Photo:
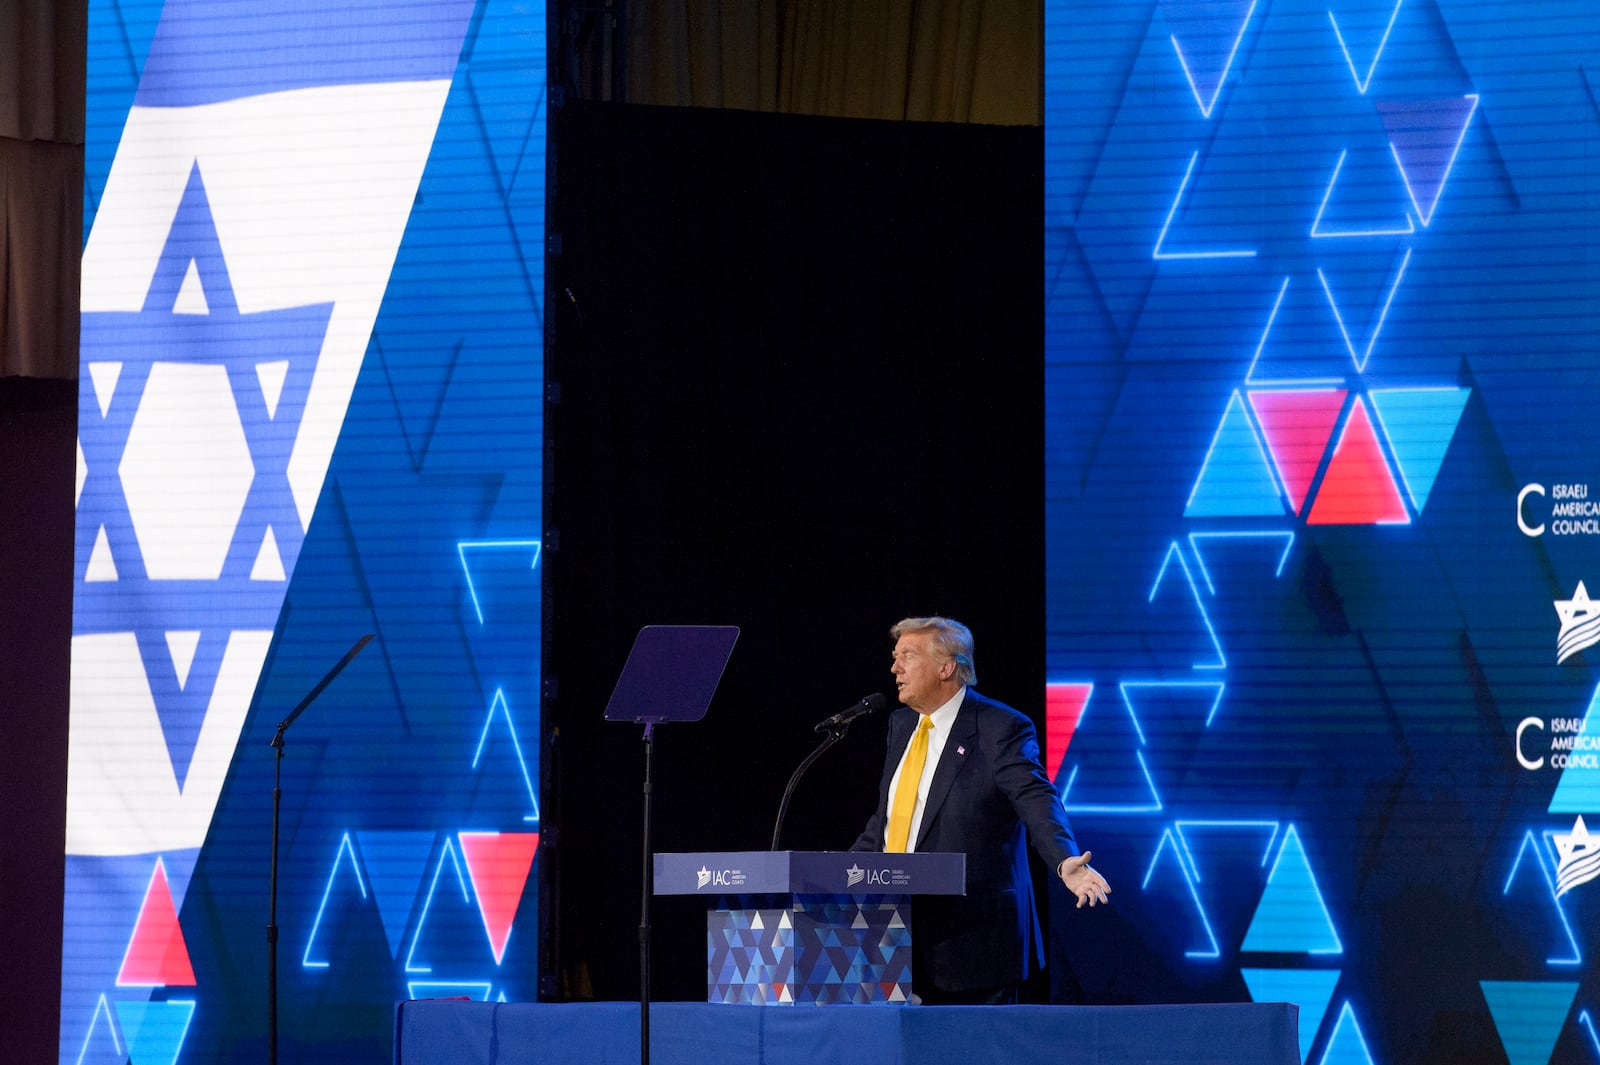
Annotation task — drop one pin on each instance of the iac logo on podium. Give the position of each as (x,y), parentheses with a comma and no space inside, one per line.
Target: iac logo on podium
(707,877)
(879,877)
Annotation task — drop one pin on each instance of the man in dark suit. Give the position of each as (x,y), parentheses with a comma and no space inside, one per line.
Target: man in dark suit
(963,775)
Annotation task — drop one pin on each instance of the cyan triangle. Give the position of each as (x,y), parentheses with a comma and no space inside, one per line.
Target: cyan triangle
(1529,1016)
(154,1031)
(396,862)
(1579,789)
(1236,479)
(1291,916)
(1347,1046)
(1310,989)
(1420,423)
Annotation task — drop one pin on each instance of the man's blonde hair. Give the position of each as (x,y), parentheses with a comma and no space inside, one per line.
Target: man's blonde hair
(950,638)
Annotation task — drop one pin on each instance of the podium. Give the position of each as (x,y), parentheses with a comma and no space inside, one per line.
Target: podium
(809,927)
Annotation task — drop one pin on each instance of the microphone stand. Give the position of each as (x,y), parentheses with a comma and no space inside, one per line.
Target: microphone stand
(835,733)
(277,799)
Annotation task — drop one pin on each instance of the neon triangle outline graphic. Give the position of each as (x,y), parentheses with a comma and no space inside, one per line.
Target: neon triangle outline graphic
(1196,26)
(396,862)
(1347,1046)
(1361,358)
(1362,84)
(1317,229)
(1425,160)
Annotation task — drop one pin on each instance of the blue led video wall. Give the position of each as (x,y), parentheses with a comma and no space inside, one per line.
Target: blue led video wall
(311,410)
(1322,292)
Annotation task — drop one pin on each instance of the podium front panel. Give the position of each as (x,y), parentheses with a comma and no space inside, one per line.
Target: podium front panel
(809,927)
(809,949)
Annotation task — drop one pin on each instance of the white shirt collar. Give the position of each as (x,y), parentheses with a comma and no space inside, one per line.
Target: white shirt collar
(945,716)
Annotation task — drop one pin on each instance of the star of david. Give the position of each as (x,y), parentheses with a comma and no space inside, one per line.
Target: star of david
(261,365)
(1578,608)
(1574,844)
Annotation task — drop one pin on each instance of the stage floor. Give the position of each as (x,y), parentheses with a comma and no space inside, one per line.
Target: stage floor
(435,1032)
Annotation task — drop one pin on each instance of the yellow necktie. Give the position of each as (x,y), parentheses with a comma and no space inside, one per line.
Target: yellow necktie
(905,795)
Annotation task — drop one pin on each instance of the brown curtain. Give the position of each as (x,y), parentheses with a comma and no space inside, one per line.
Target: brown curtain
(923,60)
(43,48)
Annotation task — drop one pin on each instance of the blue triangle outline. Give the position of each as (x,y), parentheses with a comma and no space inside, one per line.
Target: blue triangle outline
(346,847)
(1200,607)
(396,861)
(1190,21)
(1363,84)
(1347,1046)
(499,702)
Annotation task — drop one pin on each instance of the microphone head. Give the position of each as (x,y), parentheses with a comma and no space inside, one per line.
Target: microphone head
(874,702)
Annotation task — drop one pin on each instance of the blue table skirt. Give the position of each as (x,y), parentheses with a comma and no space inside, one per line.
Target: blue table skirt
(698,1033)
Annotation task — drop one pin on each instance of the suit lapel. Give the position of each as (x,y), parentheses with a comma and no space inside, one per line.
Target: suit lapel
(962,739)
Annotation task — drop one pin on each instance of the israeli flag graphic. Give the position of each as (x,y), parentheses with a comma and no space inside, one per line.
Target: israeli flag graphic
(238,254)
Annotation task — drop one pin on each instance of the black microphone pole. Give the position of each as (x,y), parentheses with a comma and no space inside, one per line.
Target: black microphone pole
(835,727)
(277,799)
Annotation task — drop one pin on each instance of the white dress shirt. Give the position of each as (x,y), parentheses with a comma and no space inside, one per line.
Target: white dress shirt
(943,719)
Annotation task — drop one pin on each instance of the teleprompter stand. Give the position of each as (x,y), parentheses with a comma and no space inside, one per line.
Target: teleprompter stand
(277,800)
(670,675)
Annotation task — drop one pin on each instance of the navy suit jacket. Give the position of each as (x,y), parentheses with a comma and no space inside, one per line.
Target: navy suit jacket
(987,790)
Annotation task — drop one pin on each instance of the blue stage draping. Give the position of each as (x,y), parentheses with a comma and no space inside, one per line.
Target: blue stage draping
(697,1033)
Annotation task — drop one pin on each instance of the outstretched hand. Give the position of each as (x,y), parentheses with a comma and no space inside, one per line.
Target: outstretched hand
(1083,881)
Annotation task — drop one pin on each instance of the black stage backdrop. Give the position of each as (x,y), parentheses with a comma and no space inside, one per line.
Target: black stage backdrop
(796,383)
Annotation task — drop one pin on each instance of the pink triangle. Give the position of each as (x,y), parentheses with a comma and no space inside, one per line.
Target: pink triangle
(1063,709)
(498,863)
(157,955)
(1358,488)
(1297,426)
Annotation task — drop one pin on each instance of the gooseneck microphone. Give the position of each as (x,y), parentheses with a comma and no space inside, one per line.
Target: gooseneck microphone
(834,729)
(867,705)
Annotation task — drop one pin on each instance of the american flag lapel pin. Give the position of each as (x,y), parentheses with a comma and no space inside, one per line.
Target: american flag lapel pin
(960,749)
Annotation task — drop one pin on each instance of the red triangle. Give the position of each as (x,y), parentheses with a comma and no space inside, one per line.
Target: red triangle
(1063,707)
(1297,426)
(1358,488)
(157,955)
(498,863)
